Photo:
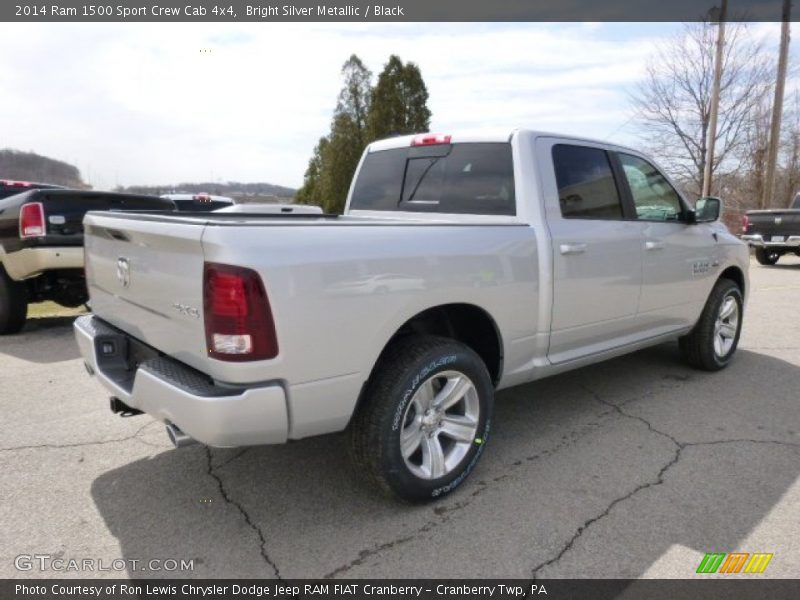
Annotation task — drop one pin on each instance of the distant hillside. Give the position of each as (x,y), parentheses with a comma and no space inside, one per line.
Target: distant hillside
(29,166)
(240,192)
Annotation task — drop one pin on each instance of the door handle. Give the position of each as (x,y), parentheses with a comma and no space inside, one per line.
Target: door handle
(650,245)
(572,248)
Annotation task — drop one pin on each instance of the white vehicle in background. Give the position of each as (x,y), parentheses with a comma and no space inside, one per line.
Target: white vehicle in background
(265,208)
(198,202)
(507,258)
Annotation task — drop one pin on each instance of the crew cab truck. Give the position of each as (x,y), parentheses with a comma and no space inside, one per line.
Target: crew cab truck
(41,238)
(503,258)
(773,232)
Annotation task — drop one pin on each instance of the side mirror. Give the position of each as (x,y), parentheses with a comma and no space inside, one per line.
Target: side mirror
(707,210)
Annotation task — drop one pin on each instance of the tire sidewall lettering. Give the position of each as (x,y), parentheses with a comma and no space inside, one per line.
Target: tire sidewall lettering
(421,376)
(466,472)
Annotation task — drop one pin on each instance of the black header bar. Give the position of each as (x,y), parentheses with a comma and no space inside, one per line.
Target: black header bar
(384,10)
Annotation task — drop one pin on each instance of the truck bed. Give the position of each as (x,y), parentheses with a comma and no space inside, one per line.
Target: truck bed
(321,273)
(64,211)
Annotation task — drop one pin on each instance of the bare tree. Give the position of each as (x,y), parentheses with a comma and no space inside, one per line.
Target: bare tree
(789,170)
(672,103)
(754,158)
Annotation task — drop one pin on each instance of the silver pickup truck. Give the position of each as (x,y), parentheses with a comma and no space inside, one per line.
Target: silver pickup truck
(463,264)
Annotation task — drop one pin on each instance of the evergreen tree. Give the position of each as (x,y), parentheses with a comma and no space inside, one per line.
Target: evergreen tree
(335,159)
(399,101)
(355,97)
(309,192)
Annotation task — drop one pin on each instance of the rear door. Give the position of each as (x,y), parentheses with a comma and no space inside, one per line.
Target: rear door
(597,261)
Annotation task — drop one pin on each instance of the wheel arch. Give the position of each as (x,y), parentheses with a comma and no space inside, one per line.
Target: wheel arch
(735,274)
(467,323)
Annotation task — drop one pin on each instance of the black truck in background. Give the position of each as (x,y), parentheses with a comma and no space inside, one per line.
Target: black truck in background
(41,244)
(774,232)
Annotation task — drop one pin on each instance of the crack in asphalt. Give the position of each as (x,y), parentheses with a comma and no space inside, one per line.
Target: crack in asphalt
(236,456)
(238,506)
(443,512)
(81,444)
(679,448)
(618,409)
(589,522)
(366,553)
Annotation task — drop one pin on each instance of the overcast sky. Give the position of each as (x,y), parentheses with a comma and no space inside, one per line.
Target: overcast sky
(141,104)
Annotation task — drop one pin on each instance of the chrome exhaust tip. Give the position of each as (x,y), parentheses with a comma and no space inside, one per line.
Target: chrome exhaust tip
(177,437)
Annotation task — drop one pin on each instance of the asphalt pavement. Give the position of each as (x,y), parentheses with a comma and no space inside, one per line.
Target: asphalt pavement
(636,467)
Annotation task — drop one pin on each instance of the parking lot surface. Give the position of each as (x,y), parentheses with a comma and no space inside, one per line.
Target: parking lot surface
(634,467)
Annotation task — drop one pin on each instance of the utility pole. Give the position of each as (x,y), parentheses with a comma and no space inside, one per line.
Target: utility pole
(711,136)
(777,108)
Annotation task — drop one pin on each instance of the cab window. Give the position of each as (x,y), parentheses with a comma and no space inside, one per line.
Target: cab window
(653,196)
(466,178)
(586,185)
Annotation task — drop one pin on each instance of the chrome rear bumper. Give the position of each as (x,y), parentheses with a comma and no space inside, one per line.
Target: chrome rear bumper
(211,413)
(757,240)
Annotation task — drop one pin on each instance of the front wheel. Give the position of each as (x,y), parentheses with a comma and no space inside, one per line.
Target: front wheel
(424,419)
(765,256)
(712,343)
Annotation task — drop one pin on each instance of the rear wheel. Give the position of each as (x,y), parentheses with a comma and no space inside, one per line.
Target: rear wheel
(424,419)
(712,343)
(13,304)
(765,256)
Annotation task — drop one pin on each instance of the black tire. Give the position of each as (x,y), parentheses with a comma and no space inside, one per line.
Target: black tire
(13,304)
(375,431)
(698,347)
(765,256)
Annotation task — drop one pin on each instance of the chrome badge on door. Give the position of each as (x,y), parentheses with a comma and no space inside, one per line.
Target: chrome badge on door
(123,271)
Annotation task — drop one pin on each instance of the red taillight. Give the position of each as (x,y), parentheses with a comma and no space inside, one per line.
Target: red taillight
(239,324)
(745,223)
(31,220)
(429,139)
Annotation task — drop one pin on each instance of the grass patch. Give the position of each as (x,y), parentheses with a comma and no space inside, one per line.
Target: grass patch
(51,309)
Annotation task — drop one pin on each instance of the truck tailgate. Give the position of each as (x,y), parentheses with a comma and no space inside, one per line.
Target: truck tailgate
(146,277)
(774,222)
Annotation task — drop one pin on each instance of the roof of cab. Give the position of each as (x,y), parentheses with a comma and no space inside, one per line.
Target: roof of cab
(497,135)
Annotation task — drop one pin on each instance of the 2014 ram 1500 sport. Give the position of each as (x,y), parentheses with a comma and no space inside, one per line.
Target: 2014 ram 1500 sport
(463,264)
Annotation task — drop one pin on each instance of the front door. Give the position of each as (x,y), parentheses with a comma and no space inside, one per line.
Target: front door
(678,257)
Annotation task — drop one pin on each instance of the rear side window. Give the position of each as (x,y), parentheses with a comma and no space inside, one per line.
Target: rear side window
(459,179)
(586,186)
